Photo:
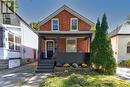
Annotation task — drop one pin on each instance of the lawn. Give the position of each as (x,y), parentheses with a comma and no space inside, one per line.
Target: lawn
(70,79)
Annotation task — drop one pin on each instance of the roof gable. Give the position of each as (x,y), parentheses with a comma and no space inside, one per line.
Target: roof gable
(64,7)
(123,29)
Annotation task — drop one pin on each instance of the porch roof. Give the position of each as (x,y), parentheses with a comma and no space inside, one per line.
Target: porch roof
(65,33)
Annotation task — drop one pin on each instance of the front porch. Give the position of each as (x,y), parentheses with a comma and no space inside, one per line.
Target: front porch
(65,47)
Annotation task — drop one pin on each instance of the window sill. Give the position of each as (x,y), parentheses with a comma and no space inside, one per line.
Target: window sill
(74,30)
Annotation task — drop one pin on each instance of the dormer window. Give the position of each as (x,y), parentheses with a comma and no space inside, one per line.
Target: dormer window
(55,24)
(74,24)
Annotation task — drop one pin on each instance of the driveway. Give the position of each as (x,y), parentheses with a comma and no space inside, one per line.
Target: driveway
(24,76)
(124,73)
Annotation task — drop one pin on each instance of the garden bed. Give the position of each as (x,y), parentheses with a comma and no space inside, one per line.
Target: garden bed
(70,69)
(124,63)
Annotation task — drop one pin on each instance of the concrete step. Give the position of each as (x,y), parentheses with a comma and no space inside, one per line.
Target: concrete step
(46,64)
(46,61)
(3,61)
(45,67)
(44,70)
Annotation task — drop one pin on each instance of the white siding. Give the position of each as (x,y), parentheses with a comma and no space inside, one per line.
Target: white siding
(1,53)
(29,41)
(122,48)
(114,42)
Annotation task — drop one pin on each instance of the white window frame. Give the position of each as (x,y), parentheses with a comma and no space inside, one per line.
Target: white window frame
(52,24)
(17,44)
(14,42)
(71,24)
(71,38)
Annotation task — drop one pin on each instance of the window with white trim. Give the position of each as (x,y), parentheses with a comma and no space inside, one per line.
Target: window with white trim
(55,24)
(11,41)
(14,42)
(74,24)
(71,45)
(17,43)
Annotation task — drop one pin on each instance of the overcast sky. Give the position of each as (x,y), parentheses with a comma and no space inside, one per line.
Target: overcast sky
(116,10)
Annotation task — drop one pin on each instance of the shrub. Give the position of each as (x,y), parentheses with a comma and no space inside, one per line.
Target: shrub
(124,63)
(75,65)
(84,65)
(77,80)
(59,65)
(66,65)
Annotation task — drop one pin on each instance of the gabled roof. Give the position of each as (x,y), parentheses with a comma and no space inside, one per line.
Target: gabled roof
(64,7)
(123,29)
(115,32)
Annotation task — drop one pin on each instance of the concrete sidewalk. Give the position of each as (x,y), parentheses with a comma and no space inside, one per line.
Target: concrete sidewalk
(124,73)
(24,76)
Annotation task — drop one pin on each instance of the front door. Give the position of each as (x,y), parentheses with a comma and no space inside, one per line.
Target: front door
(49,49)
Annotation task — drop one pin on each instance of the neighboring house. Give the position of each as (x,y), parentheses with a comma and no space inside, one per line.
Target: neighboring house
(120,39)
(64,37)
(18,42)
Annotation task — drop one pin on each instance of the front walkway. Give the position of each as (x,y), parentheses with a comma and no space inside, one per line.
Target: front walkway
(24,76)
(124,73)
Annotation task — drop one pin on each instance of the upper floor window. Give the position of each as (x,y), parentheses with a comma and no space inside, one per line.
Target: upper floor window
(55,24)
(74,24)
(6,19)
(128,47)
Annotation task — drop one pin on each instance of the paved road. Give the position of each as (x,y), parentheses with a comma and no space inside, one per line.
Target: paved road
(21,77)
(124,73)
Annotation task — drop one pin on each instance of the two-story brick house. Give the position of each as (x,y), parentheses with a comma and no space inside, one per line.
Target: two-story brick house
(65,37)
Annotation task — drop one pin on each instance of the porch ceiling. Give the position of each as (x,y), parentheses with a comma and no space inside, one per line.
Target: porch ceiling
(65,33)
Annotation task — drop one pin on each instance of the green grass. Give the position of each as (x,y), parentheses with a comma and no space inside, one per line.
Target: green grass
(71,79)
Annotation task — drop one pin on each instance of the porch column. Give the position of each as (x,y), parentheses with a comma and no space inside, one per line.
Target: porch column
(88,44)
(39,50)
(57,45)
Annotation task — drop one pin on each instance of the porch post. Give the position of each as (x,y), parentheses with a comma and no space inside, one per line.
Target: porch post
(57,45)
(89,43)
(39,50)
